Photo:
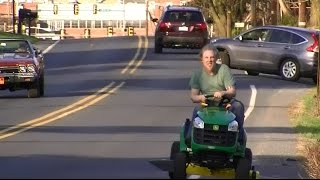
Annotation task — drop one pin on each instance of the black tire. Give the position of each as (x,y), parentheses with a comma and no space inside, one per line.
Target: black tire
(34,91)
(175,148)
(41,84)
(252,73)
(244,165)
(179,166)
(225,59)
(157,48)
(290,70)
(243,169)
(248,155)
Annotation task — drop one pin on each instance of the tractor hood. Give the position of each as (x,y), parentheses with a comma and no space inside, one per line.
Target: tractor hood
(216,115)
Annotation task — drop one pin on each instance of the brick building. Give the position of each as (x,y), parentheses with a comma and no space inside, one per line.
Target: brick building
(134,15)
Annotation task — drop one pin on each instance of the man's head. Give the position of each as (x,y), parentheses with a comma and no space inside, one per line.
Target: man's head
(208,56)
(23,47)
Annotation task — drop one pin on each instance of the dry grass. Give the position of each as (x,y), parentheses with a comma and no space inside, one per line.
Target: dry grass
(308,146)
(312,161)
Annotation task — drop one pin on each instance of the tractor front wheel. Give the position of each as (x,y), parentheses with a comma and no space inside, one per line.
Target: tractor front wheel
(179,166)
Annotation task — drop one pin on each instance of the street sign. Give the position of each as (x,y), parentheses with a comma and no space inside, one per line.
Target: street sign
(239,24)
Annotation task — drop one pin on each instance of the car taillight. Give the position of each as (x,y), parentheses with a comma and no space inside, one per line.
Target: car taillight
(201,26)
(314,47)
(164,26)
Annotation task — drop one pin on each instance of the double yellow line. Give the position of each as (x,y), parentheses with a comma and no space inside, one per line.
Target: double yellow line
(135,62)
(81,104)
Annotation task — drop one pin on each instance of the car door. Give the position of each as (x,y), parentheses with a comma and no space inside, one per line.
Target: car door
(278,46)
(249,49)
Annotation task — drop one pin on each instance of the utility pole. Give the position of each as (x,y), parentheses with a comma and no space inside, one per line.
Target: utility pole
(318,81)
(274,16)
(253,13)
(147,19)
(13,16)
(228,23)
(302,13)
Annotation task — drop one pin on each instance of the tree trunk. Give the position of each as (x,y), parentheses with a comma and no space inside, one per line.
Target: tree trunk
(219,23)
(284,8)
(315,14)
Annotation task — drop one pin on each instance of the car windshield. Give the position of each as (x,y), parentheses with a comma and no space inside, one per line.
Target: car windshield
(14,49)
(183,16)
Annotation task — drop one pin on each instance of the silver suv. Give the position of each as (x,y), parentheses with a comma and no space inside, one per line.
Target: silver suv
(290,52)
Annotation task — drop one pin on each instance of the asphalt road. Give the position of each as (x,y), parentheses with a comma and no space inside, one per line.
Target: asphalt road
(101,118)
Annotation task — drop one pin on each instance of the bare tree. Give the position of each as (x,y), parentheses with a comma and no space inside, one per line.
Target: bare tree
(284,8)
(315,14)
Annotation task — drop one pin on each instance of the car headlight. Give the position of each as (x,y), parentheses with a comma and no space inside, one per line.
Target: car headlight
(198,123)
(30,68)
(22,69)
(233,126)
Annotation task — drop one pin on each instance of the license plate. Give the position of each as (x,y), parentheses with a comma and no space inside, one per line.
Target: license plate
(183,28)
(1,80)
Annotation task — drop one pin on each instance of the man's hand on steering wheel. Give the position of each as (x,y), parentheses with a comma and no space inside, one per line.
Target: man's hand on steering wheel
(218,94)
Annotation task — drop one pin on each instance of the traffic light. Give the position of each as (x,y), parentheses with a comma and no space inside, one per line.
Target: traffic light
(130,31)
(95,9)
(110,31)
(76,9)
(55,9)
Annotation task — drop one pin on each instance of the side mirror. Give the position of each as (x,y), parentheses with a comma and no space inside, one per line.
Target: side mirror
(240,38)
(38,52)
(155,20)
(210,21)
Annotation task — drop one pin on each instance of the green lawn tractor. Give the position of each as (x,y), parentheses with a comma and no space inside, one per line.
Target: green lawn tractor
(209,145)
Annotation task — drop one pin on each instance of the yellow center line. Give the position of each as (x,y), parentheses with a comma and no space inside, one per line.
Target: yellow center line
(63,114)
(146,44)
(78,103)
(134,58)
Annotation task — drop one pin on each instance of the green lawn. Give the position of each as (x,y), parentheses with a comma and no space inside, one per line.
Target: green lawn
(306,119)
(307,122)
(11,35)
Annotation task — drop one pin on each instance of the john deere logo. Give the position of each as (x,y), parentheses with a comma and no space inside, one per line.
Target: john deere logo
(215,127)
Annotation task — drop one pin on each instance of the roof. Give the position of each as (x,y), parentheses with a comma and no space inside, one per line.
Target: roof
(291,28)
(175,7)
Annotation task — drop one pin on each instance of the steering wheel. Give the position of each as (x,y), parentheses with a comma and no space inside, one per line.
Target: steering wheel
(214,101)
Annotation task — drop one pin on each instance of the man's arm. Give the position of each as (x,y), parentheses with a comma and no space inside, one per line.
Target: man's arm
(196,97)
(230,92)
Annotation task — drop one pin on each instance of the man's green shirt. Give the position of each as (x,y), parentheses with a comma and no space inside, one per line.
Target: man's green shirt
(208,84)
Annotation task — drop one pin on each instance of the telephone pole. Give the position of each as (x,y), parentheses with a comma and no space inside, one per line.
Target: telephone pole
(13,16)
(274,8)
(253,13)
(302,13)
(147,19)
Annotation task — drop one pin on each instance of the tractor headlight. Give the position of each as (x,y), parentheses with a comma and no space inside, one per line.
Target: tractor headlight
(233,126)
(31,68)
(198,123)
(22,69)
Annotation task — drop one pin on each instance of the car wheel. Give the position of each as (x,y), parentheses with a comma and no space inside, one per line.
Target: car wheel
(252,73)
(157,48)
(224,56)
(41,84)
(290,70)
(34,91)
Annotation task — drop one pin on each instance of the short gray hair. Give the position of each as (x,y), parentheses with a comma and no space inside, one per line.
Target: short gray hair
(209,47)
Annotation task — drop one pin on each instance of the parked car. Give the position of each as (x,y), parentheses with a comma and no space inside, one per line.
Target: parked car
(290,52)
(181,27)
(21,67)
